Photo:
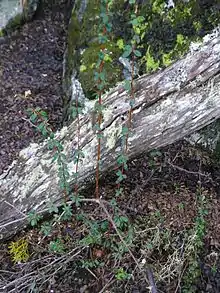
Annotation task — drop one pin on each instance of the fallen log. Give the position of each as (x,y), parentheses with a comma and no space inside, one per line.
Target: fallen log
(169,105)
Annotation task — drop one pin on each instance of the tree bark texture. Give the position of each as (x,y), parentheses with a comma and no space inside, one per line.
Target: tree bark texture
(169,105)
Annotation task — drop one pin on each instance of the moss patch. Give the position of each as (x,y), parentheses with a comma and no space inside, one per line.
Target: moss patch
(13,24)
(88,60)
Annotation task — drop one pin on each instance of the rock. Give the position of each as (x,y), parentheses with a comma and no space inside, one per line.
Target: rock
(14,13)
(8,10)
(29,8)
(82,52)
(208,288)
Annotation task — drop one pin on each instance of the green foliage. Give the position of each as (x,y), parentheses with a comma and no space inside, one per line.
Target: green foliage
(151,64)
(154,155)
(76,199)
(74,111)
(34,218)
(91,264)
(52,208)
(153,27)
(67,212)
(40,118)
(18,250)
(98,71)
(88,59)
(100,234)
(121,222)
(122,275)
(193,269)
(46,228)
(57,246)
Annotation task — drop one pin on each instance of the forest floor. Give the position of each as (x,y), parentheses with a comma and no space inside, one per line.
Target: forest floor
(31,76)
(171,196)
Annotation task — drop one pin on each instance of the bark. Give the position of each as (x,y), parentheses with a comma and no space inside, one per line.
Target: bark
(169,105)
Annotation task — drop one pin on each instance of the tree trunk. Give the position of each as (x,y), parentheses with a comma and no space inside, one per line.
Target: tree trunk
(169,105)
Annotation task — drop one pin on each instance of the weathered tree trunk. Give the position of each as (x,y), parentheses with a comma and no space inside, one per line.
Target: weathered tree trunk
(169,105)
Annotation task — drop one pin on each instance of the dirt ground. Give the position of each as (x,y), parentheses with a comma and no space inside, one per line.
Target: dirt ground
(30,76)
(167,194)
(161,200)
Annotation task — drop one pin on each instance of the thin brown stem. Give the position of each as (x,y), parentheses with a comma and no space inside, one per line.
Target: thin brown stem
(99,119)
(78,148)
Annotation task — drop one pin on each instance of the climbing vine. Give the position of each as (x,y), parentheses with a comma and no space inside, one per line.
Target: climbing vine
(100,79)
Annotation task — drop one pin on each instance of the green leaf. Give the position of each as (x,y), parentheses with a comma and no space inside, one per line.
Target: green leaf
(127,85)
(52,208)
(82,68)
(180,39)
(102,39)
(119,191)
(126,53)
(107,58)
(137,53)
(33,117)
(44,131)
(57,246)
(101,55)
(99,135)
(76,199)
(132,103)
(46,228)
(151,64)
(122,160)
(55,157)
(30,111)
(105,225)
(121,176)
(120,43)
(134,21)
(34,218)
(58,145)
(52,135)
(44,114)
(67,210)
(125,130)
(104,17)
(155,153)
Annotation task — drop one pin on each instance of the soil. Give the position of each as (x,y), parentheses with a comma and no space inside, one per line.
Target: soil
(31,76)
(161,192)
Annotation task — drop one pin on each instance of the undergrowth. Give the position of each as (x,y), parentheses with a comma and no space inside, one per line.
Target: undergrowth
(110,235)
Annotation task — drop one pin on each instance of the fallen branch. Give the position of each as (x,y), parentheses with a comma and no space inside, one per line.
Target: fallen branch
(169,105)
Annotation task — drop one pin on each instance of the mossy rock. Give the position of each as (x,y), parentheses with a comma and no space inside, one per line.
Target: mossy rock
(168,33)
(88,60)
(83,48)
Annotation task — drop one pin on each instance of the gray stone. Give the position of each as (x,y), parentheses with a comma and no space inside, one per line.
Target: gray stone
(14,13)
(8,10)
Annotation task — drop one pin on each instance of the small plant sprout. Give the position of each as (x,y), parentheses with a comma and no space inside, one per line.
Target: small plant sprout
(122,275)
